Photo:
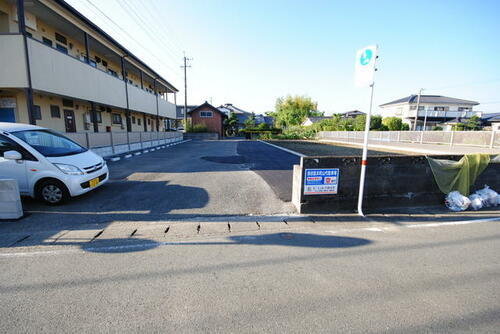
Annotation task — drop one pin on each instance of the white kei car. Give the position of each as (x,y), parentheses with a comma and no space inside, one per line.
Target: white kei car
(47,165)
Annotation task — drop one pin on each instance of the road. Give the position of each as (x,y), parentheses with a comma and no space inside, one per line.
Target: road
(364,277)
(200,238)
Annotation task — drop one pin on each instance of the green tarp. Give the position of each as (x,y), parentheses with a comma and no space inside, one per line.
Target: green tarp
(458,175)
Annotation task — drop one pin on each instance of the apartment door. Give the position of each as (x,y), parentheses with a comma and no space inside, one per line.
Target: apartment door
(69,120)
(7,115)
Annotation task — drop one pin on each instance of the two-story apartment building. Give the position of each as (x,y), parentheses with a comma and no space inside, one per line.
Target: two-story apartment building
(59,70)
(433,109)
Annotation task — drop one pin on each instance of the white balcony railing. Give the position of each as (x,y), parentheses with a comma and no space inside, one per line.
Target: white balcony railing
(13,69)
(141,100)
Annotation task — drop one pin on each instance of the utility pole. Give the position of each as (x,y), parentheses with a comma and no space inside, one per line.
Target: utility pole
(185,66)
(418,105)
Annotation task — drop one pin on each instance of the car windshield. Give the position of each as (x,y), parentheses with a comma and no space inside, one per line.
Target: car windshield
(49,143)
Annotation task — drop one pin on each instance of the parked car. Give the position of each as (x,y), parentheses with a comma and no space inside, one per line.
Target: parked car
(47,165)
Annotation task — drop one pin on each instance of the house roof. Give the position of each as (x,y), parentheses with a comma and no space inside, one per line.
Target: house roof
(430,99)
(229,107)
(205,105)
(318,118)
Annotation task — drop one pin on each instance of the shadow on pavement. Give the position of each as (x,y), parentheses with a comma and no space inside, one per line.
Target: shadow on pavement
(275,239)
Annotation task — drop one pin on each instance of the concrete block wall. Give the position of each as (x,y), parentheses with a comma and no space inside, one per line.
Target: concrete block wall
(391,181)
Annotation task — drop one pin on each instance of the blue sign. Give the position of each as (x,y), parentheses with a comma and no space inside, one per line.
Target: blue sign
(321,181)
(366,57)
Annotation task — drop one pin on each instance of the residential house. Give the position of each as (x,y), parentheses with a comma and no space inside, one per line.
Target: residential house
(61,71)
(209,116)
(241,114)
(434,109)
(312,120)
(259,119)
(352,114)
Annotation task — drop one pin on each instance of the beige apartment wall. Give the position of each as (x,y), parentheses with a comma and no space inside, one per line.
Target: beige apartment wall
(141,100)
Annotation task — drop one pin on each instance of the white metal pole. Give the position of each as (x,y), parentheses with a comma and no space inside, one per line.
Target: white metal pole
(364,156)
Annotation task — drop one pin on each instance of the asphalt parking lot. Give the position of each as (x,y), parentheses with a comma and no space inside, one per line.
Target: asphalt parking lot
(190,180)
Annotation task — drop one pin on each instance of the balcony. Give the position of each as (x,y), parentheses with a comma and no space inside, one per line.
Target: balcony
(55,72)
(13,70)
(167,109)
(445,114)
(141,100)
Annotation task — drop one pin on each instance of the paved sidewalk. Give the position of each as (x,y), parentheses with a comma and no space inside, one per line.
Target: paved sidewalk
(120,233)
(417,147)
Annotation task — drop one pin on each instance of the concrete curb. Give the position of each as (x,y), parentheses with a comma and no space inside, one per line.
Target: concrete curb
(129,155)
(283,149)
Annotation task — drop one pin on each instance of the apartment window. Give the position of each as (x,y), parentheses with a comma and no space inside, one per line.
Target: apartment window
(133,119)
(149,121)
(61,39)
(67,103)
(138,121)
(55,112)
(464,108)
(37,112)
(97,59)
(98,116)
(104,63)
(47,41)
(206,114)
(113,73)
(61,48)
(440,108)
(116,118)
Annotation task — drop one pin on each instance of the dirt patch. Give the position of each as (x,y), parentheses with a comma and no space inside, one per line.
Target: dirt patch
(314,148)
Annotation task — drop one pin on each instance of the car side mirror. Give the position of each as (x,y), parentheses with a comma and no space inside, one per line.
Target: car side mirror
(12,155)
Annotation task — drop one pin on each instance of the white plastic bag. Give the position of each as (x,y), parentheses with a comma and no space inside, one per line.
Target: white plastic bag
(475,201)
(488,196)
(456,201)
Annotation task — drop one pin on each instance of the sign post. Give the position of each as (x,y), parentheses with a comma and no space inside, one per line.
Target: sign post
(366,59)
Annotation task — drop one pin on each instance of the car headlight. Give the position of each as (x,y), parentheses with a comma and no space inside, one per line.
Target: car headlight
(69,169)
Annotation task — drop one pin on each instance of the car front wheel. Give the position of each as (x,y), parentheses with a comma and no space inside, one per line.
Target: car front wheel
(53,192)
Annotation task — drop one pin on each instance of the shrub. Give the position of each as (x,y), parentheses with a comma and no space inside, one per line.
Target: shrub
(197,128)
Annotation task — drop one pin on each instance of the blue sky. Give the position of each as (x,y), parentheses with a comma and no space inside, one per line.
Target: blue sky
(250,52)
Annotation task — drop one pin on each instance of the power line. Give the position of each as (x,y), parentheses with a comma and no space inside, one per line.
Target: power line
(126,33)
(148,30)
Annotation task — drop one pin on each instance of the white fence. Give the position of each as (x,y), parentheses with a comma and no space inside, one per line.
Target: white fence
(111,143)
(489,139)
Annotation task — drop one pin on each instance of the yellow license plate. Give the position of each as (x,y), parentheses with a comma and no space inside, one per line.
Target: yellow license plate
(94,182)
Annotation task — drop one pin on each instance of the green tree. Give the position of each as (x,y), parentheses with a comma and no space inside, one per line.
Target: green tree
(473,123)
(230,125)
(358,124)
(293,110)
(250,122)
(393,123)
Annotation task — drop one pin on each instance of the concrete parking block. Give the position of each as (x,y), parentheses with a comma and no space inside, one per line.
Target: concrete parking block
(41,238)
(9,239)
(182,229)
(79,236)
(207,228)
(238,227)
(272,225)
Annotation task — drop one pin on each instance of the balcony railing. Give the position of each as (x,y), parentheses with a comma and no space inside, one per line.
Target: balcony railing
(111,143)
(13,63)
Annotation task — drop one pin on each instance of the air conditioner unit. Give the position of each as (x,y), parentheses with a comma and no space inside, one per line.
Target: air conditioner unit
(86,121)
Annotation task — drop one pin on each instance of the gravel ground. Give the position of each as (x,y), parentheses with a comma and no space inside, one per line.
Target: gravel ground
(312,148)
